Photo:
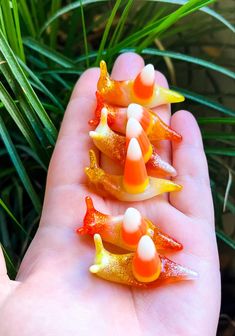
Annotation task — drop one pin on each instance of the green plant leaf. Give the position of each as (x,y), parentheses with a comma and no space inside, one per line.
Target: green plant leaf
(216,120)
(220,151)
(189,59)
(65,10)
(204,101)
(34,155)
(9,25)
(206,10)
(84,34)
(8,211)
(187,8)
(19,166)
(25,106)
(217,135)
(77,4)
(20,121)
(226,239)
(71,71)
(18,30)
(228,188)
(27,17)
(55,5)
(121,23)
(32,98)
(10,265)
(107,29)
(41,85)
(51,54)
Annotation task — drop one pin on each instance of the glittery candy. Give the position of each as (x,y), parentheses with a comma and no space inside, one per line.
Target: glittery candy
(125,230)
(112,185)
(114,146)
(119,268)
(142,90)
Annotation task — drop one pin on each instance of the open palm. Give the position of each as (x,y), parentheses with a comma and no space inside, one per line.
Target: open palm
(56,295)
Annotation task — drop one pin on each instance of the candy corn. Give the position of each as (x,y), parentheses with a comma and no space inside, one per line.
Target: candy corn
(135,178)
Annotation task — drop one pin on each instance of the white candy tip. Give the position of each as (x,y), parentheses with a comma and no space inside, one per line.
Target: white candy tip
(97,236)
(104,111)
(174,172)
(94,268)
(93,134)
(133,151)
(131,220)
(104,114)
(134,111)
(146,249)
(133,128)
(148,75)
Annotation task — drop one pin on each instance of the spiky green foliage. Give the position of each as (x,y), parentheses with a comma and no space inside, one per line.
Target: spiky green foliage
(46,45)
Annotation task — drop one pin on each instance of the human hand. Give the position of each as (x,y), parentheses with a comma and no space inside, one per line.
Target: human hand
(56,295)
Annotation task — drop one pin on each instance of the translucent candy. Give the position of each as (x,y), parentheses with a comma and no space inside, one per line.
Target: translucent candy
(125,230)
(112,185)
(141,90)
(119,268)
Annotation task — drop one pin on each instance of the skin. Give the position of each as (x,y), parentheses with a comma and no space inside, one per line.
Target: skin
(54,293)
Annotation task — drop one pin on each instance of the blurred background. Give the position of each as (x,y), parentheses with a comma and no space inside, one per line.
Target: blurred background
(45,46)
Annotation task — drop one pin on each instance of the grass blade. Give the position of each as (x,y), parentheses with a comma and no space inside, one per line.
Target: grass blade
(228,187)
(11,269)
(120,26)
(49,53)
(220,151)
(187,8)
(20,121)
(55,5)
(204,101)
(29,112)
(21,79)
(9,26)
(19,166)
(8,211)
(206,10)
(41,85)
(77,4)
(107,29)
(84,34)
(189,59)
(216,120)
(226,239)
(27,17)
(17,29)
(218,136)
(65,10)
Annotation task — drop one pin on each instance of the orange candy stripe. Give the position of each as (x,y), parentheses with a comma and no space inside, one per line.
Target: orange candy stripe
(134,130)
(141,90)
(135,177)
(146,120)
(133,173)
(132,238)
(146,261)
(146,269)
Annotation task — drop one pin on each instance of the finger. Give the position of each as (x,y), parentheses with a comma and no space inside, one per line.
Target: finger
(70,155)
(190,162)
(163,111)
(126,66)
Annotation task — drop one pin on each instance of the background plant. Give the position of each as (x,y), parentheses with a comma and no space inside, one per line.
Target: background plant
(46,45)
